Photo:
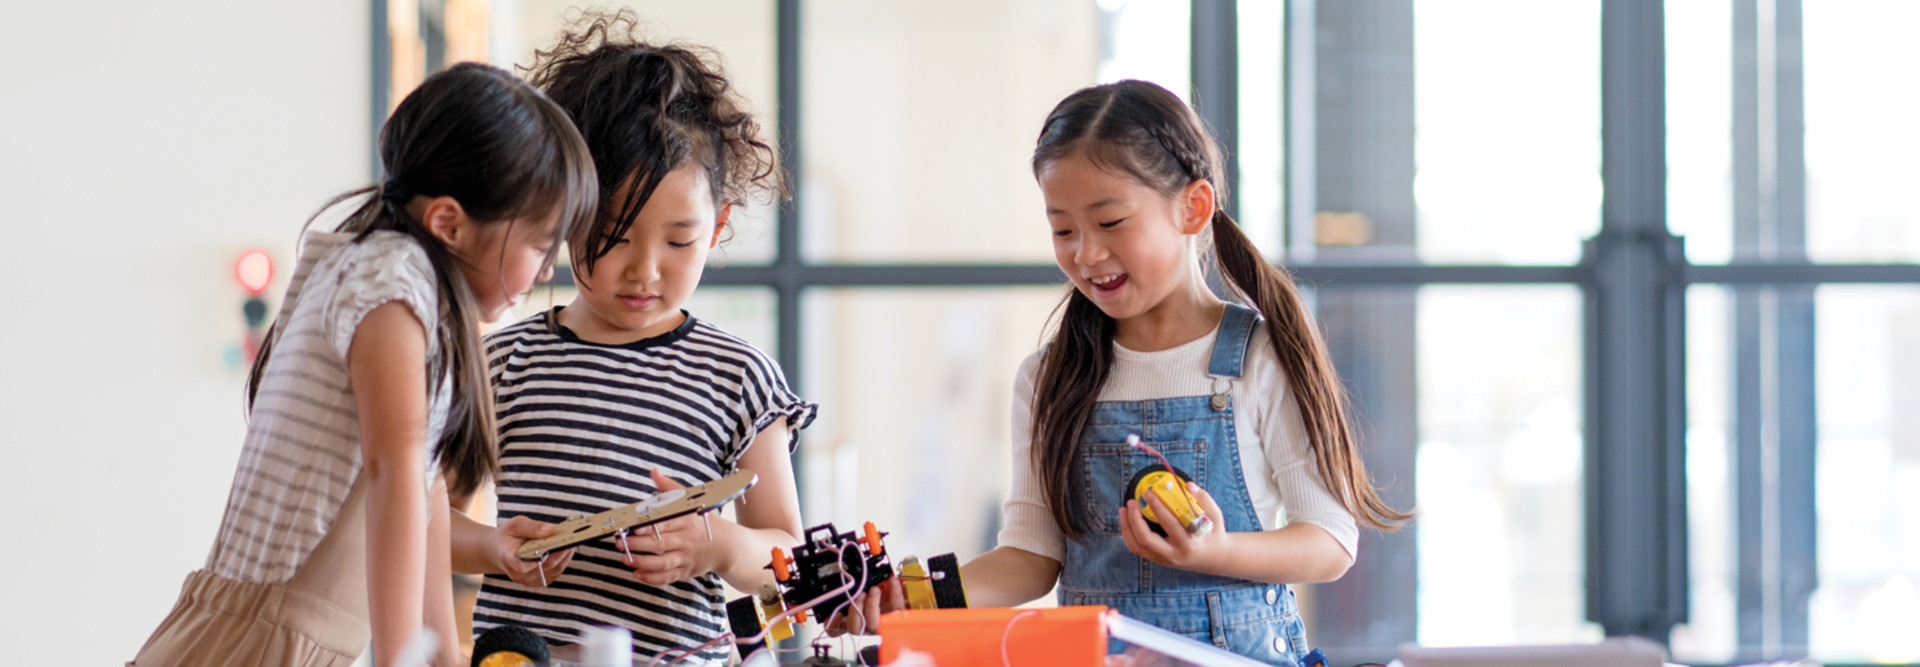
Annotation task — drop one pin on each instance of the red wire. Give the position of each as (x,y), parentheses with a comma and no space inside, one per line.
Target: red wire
(1134,440)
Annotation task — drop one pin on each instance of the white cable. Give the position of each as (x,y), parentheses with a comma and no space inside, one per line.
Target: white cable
(1004,636)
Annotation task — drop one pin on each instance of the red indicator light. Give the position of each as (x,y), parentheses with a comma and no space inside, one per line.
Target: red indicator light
(254,270)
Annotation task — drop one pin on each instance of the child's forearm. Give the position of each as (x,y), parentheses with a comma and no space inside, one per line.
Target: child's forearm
(469,542)
(438,607)
(768,516)
(396,557)
(1007,577)
(747,551)
(384,367)
(1300,553)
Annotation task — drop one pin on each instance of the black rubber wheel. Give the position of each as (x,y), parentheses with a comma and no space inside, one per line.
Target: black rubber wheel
(1133,485)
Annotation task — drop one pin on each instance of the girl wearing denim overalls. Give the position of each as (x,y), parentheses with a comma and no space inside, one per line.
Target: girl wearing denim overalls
(1241,400)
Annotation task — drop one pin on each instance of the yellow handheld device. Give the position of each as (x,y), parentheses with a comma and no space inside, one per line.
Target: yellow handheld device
(1169,484)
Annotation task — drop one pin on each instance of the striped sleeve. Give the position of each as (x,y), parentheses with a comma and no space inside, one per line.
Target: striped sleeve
(767,400)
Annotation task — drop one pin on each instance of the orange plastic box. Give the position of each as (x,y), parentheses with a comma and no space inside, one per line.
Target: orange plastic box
(1055,637)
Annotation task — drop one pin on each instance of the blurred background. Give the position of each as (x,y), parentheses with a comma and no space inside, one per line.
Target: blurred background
(1626,292)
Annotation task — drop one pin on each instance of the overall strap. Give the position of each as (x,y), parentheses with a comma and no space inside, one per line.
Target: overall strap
(1230,347)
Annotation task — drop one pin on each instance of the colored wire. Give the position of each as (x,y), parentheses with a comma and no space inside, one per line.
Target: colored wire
(1008,633)
(768,626)
(849,603)
(689,652)
(1134,440)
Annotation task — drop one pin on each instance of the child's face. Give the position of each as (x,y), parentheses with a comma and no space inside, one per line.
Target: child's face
(636,291)
(508,259)
(1122,244)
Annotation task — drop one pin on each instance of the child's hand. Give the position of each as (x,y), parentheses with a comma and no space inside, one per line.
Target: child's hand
(506,540)
(862,617)
(1178,549)
(675,549)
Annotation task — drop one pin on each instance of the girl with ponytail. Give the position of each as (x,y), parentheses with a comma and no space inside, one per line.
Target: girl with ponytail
(1237,395)
(368,402)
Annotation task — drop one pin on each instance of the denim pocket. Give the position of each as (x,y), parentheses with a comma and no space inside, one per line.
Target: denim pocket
(1280,640)
(1106,469)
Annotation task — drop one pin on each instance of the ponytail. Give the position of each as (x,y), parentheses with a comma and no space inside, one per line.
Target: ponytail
(1073,368)
(466,450)
(505,152)
(1310,373)
(1142,131)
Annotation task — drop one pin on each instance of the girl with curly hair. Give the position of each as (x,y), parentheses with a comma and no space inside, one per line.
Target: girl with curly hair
(623,394)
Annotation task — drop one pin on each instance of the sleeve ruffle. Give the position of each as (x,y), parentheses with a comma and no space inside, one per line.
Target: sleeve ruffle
(379,270)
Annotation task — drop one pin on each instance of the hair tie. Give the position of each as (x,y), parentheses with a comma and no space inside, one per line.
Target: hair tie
(394,191)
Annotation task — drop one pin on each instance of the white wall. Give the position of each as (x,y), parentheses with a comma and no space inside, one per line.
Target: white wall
(143,145)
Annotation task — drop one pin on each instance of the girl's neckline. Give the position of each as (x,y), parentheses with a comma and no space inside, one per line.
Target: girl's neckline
(1203,342)
(668,338)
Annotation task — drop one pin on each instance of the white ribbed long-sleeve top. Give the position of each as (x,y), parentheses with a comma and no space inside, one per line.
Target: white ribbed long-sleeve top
(1275,456)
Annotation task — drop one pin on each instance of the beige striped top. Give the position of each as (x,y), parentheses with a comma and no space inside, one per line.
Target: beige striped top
(302,450)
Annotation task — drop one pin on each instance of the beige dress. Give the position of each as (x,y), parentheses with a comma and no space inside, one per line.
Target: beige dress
(317,618)
(285,582)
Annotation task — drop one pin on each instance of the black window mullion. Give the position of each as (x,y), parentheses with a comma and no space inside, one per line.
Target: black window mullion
(786,277)
(788,303)
(1215,71)
(382,85)
(1636,543)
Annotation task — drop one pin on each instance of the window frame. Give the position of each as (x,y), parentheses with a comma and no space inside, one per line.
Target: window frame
(1632,276)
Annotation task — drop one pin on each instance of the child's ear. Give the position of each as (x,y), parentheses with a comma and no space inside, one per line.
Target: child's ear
(1197,207)
(447,220)
(720,222)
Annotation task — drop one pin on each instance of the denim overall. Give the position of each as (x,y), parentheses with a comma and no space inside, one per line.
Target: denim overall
(1196,434)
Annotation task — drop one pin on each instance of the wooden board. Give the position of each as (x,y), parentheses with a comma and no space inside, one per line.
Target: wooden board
(670,505)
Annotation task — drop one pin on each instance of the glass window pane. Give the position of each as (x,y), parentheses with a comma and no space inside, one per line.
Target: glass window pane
(1150,40)
(1500,466)
(1862,65)
(1262,187)
(921,116)
(1711,632)
(1700,127)
(1507,146)
(1866,467)
(915,390)
(1868,474)
(741,34)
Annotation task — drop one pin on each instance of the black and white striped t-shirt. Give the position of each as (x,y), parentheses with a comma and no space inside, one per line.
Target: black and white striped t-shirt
(581,427)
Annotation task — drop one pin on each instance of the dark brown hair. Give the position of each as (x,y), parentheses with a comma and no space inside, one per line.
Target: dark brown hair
(504,152)
(1142,132)
(646,110)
